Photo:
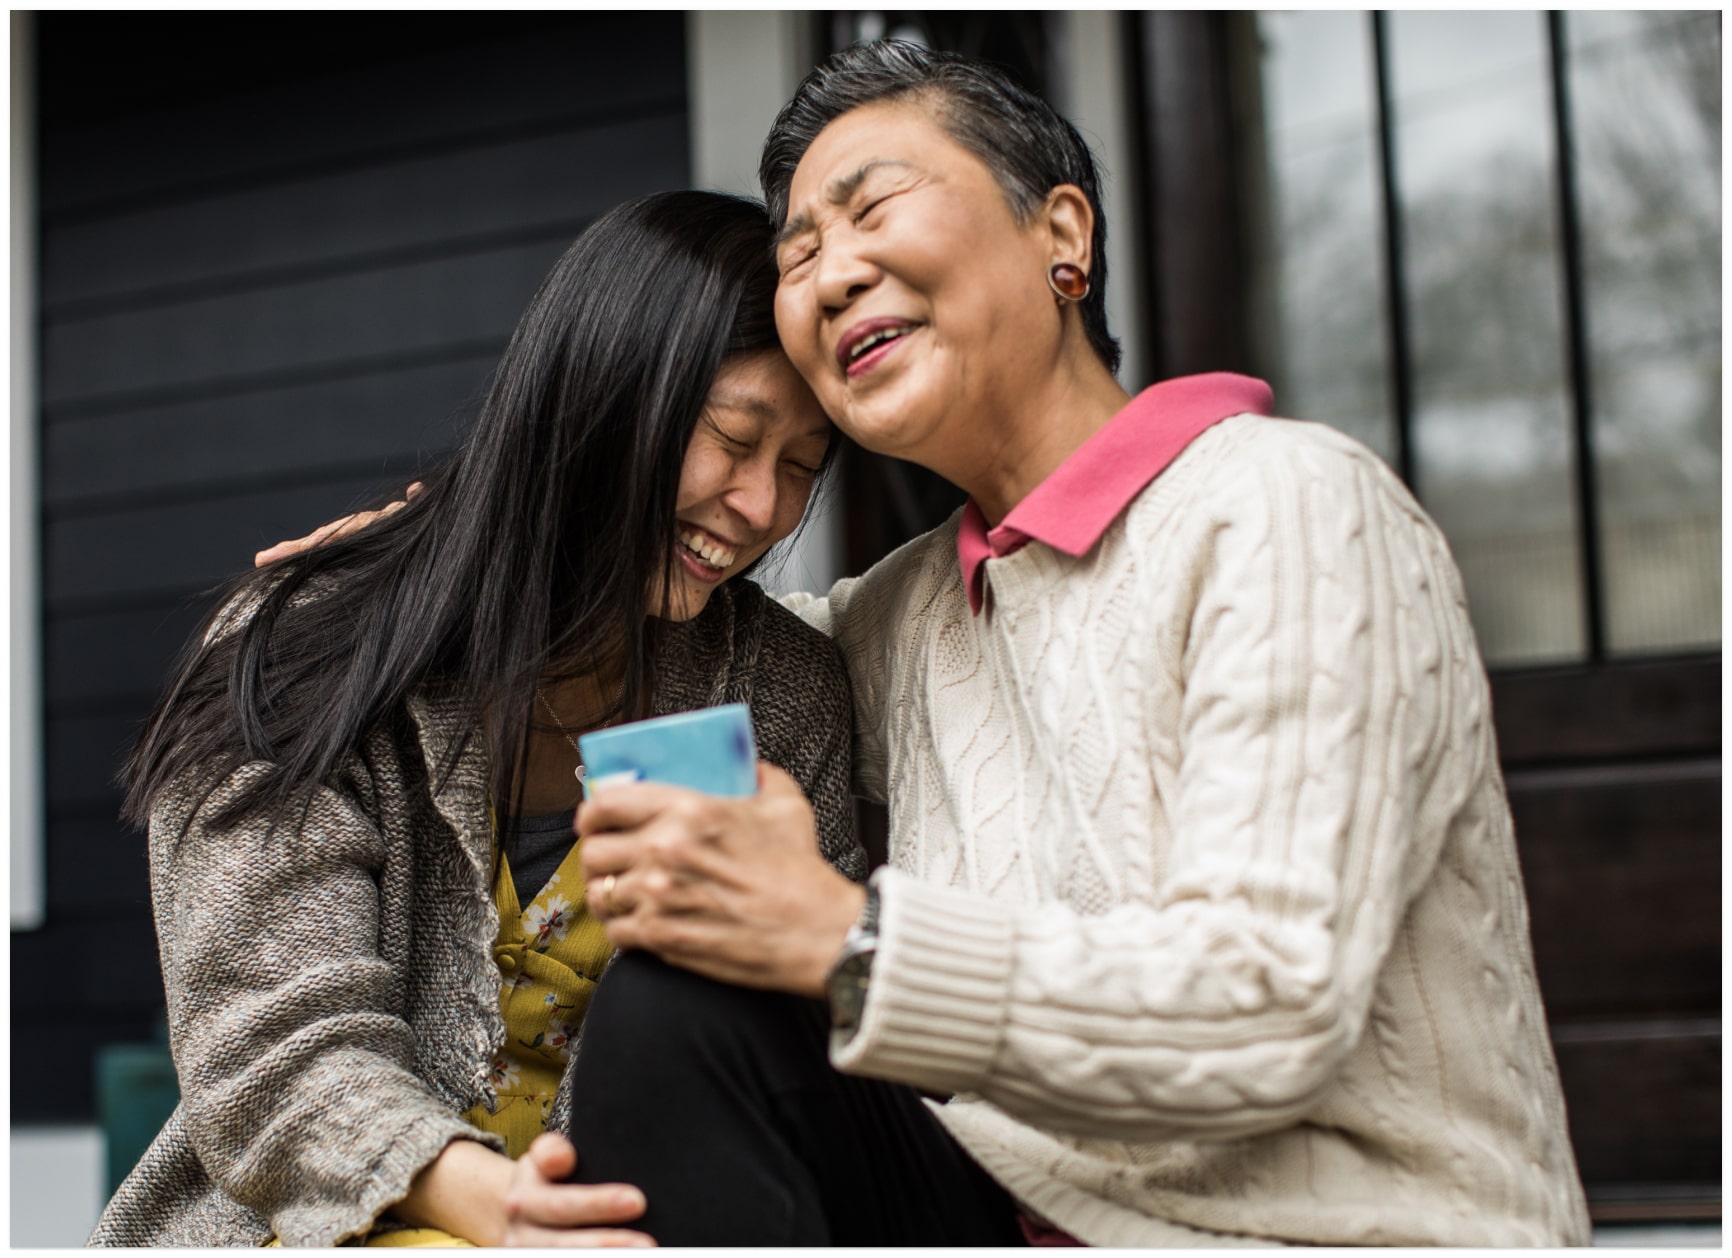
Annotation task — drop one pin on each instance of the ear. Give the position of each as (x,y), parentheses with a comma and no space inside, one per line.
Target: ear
(1070,221)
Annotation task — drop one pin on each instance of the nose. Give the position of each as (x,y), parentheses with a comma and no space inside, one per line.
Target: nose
(752,495)
(844,272)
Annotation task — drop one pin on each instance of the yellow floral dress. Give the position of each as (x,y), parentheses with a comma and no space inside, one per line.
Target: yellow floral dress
(550,957)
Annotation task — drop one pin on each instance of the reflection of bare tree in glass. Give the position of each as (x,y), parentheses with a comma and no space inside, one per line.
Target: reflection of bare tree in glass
(1482,258)
(1333,352)
(1491,428)
(1647,104)
(1492,432)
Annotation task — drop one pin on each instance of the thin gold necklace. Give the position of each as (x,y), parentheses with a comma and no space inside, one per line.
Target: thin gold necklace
(581,772)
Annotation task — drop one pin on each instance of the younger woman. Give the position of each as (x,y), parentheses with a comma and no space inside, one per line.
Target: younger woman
(360,782)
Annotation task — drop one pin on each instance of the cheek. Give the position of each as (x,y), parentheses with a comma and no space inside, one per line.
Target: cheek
(797,326)
(702,475)
(790,506)
(991,310)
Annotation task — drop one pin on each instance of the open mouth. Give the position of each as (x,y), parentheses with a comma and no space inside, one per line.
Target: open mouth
(864,349)
(705,553)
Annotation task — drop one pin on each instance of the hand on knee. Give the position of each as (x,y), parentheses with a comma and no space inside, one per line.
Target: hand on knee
(542,1210)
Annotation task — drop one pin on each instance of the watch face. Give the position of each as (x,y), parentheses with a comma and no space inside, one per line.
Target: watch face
(848,989)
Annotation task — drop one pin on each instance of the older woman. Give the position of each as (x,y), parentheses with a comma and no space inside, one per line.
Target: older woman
(1203,922)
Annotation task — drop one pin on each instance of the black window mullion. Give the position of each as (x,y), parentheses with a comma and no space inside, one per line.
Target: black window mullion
(1394,264)
(1576,340)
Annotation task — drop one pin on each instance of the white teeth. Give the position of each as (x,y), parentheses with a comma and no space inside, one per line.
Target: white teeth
(706,550)
(869,342)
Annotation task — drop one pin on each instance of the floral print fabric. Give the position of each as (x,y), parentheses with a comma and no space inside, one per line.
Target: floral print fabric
(550,956)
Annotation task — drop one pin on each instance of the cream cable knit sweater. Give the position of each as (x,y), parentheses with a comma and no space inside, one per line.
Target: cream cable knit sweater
(1202,895)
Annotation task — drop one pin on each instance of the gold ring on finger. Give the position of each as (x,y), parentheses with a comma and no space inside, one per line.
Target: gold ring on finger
(609,906)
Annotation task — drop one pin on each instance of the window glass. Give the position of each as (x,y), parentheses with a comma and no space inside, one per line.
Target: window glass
(1322,344)
(1645,96)
(1492,429)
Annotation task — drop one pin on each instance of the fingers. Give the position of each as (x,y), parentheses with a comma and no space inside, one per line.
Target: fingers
(657,868)
(604,854)
(630,804)
(336,528)
(282,550)
(603,899)
(552,1156)
(614,897)
(538,1203)
(775,781)
(541,1209)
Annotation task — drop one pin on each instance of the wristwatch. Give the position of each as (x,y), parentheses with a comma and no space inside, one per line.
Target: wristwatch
(851,976)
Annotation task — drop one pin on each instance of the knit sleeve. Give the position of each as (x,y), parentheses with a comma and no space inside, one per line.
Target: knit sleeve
(1323,640)
(297,1081)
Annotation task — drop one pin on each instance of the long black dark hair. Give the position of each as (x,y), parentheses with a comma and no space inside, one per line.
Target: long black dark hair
(532,550)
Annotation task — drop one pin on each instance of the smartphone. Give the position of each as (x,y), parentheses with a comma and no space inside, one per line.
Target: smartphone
(710,750)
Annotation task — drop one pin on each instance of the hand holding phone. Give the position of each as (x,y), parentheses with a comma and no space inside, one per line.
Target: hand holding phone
(710,750)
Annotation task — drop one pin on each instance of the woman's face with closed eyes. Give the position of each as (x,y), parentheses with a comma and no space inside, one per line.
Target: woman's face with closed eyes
(747,475)
(910,294)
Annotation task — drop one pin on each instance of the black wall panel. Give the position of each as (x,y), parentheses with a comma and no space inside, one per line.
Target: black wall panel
(280,255)
(303,106)
(115,460)
(261,337)
(542,186)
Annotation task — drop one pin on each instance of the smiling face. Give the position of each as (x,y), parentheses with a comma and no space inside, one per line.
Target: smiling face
(747,475)
(911,298)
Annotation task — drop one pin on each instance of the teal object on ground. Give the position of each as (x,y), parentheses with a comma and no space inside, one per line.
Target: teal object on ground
(710,750)
(136,1091)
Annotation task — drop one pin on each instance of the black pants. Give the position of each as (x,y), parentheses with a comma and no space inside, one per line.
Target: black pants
(720,1103)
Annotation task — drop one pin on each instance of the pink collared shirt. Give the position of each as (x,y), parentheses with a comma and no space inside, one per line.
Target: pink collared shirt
(1072,507)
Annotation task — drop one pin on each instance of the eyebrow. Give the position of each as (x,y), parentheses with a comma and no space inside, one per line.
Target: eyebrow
(748,402)
(762,409)
(838,193)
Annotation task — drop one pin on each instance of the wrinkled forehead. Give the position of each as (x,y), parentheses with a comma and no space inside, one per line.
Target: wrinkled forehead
(898,129)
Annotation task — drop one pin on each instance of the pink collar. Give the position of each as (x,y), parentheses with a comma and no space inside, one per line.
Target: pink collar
(1072,507)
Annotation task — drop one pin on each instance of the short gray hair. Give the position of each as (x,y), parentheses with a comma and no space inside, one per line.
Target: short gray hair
(1029,148)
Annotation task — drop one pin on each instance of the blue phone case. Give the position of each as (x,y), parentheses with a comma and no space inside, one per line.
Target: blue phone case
(710,750)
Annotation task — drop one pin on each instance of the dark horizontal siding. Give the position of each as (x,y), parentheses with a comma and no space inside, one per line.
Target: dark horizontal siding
(542,187)
(167,551)
(268,337)
(499,79)
(266,299)
(1614,775)
(114,660)
(321,428)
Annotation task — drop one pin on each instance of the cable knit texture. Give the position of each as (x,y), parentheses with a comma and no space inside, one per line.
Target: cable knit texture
(1203,895)
(333,1001)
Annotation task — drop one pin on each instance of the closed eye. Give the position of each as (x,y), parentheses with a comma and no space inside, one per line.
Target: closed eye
(794,261)
(726,437)
(860,218)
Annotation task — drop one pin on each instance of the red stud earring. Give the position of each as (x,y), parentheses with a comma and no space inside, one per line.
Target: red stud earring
(1068,282)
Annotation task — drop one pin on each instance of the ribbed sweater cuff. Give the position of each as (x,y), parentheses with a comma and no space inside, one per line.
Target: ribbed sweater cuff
(940,987)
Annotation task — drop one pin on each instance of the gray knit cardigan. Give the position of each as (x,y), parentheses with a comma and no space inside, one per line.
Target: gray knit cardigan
(333,1003)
